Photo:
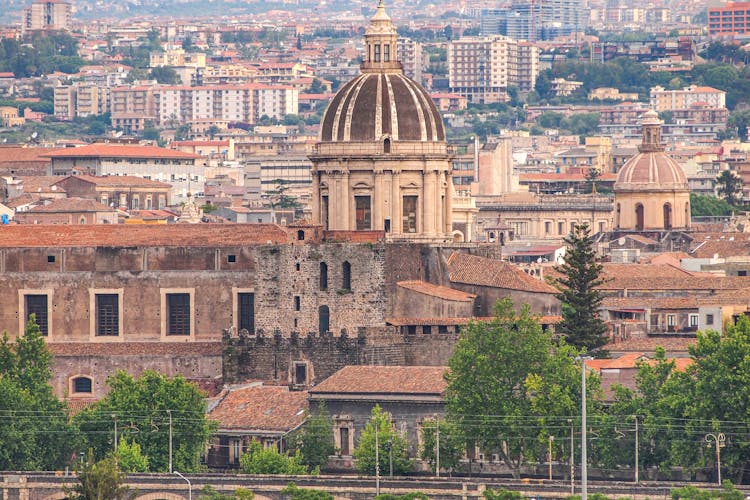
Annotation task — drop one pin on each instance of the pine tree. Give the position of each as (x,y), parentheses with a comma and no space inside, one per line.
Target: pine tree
(580,277)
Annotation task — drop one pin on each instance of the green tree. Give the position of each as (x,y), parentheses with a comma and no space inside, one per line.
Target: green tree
(729,187)
(150,133)
(212,131)
(392,446)
(101,480)
(509,382)
(129,457)
(166,75)
(257,460)
(502,495)
(580,276)
(294,492)
(315,439)
(34,430)
(705,205)
(452,444)
(142,408)
(210,493)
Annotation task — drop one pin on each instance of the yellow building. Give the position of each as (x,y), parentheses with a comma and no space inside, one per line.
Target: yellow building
(651,191)
(9,117)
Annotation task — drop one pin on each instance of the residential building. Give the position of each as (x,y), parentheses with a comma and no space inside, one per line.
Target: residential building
(662,99)
(731,20)
(68,211)
(81,100)
(184,171)
(126,191)
(45,15)
(410,55)
(483,68)
(254,412)
(611,93)
(9,117)
(133,108)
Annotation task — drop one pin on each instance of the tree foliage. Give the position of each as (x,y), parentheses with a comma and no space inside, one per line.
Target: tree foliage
(729,186)
(210,493)
(102,480)
(141,409)
(508,382)
(452,444)
(294,492)
(34,431)
(706,205)
(580,277)
(315,439)
(129,457)
(391,444)
(257,460)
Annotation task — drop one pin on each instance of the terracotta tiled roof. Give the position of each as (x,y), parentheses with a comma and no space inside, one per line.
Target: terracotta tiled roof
(649,344)
(670,258)
(630,361)
(613,271)
(544,320)
(13,154)
(416,380)
(20,200)
(124,181)
(135,348)
(720,248)
(692,302)
(442,292)
(119,151)
(40,183)
(170,235)
(474,270)
(261,408)
(687,283)
(67,205)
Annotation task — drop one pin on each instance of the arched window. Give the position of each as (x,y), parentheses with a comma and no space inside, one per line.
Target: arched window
(387,145)
(82,385)
(323,276)
(639,217)
(300,235)
(667,216)
(346,276)
(324,315)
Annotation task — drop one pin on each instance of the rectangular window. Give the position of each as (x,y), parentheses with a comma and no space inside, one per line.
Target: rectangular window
(178,314)
(547,227)
(409,211)
(107,314)
(560,227)
(386,52)
(362,204)
(246,312)
(709,319)
(693,318)
(296,303)
(670,319)
(37,305)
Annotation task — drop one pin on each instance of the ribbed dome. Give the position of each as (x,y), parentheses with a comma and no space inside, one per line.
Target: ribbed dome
(376,105)
(651,171)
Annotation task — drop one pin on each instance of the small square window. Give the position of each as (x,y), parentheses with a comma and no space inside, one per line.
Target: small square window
(51,259)
(82,385)
(231,258)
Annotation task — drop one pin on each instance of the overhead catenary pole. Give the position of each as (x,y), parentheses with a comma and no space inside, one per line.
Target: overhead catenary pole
(114,417)
(377,460)
(636,448)
(169,412)
(437,448)
(551,439)
(584,458)
(572,460)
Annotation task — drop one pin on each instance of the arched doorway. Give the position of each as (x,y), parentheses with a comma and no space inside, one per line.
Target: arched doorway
(639,217)
(667,216)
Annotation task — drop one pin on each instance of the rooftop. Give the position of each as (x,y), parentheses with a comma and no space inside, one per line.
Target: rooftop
(482,271)
(261,408)
(120,151)
(442,292)
(384,380)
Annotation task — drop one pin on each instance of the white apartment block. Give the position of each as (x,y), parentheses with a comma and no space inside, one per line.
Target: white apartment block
(667,100)
(409,53)
(482,68)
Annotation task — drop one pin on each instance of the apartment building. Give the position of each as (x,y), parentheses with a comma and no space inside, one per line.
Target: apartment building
(411,57)
(731,20)
(668,100)
(47,15)
(482,68)
(133,107)
(80,100)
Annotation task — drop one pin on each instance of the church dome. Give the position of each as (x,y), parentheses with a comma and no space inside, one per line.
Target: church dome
(382,102)
(378,105)
(651,169)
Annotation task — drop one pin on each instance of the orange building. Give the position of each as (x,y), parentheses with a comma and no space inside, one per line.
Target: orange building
(731,20)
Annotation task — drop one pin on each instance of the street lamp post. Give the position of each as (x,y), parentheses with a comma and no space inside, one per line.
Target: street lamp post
(551,439)
(190,486)
(720,440)
(584,458)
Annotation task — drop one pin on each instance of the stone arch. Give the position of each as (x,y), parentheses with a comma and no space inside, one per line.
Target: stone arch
(161,496)
(458,237)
